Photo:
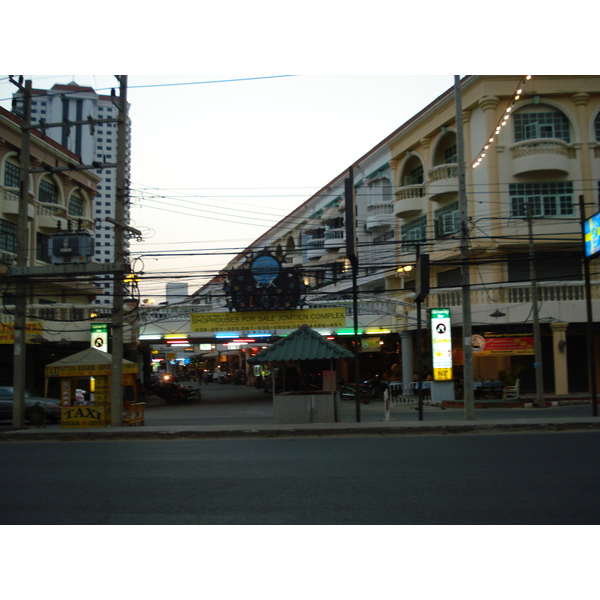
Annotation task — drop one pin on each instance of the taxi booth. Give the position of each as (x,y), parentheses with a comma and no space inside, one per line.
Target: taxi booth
(94,411)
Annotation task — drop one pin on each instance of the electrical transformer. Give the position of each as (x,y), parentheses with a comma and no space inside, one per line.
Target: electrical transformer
(71,248)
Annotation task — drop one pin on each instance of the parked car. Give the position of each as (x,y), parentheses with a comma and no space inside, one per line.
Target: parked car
(34,407)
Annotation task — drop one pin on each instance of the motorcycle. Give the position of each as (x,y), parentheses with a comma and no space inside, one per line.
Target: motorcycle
(368,390)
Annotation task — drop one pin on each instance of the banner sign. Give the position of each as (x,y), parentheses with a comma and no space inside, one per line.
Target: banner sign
(441,344)
(32,329)
(502,345)
(267,320)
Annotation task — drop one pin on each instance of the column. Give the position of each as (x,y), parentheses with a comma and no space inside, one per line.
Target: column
(559,352)
(407,356)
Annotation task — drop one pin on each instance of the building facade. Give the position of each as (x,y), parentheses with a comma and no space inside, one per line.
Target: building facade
(59,312)
(94,144)
(531,151)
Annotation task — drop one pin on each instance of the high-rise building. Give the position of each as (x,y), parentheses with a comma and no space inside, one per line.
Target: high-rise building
(94,143)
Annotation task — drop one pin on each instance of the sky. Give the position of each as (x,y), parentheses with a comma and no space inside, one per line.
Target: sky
(218,160)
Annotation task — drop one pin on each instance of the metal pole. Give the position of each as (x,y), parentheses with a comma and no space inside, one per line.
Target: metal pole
(469,399)
(21,287)
(419,346)
(116,411)
(590,321)
(352,254)
(537,338)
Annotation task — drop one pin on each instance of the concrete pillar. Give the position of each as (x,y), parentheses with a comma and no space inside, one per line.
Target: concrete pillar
(559,352)
(407,356)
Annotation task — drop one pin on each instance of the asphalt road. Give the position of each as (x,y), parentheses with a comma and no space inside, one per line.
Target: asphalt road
(549,478)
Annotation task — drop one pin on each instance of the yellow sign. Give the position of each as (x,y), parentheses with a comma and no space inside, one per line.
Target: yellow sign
(7,332)
(87,370)
(442,374)
(82,416)
(267,319)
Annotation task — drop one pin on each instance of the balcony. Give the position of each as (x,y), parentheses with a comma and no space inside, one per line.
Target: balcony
(335,239)
(316,248)
(9,204)
(380,216)
(542,154)
(410,199)
(443,179)
(49,215)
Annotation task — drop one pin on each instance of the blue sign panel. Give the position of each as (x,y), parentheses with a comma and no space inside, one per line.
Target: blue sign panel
(591,228)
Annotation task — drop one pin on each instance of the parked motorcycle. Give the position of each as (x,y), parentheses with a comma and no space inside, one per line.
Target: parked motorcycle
(368,390)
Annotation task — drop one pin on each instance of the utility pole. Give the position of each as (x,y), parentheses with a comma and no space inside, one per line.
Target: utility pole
(591,354)
(116,410)
(352,254)
(537,338)
(469,398)
(21,286)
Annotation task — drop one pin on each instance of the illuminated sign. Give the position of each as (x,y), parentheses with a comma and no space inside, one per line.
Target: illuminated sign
(591,230)
(441,344)
(503,345)
(262,283)
(269,319)
(99,336)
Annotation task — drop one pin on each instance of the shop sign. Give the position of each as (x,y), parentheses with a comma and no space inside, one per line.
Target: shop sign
(371,344)
(268,319)
(441,344)
(503,345)
(591,228)
(82,416)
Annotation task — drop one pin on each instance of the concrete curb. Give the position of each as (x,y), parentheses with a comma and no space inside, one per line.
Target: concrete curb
(311,430)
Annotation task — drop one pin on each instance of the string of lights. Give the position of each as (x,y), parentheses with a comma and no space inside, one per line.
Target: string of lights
(493,137)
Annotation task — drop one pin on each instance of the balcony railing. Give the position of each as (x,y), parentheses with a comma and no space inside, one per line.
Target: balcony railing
(541,155)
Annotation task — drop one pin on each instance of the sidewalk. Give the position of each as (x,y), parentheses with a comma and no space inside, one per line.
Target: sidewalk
(228,411)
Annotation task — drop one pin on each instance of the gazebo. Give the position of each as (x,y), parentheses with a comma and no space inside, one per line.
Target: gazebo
(305,406)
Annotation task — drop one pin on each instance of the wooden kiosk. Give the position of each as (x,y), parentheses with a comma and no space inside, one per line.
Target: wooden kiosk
(95,412)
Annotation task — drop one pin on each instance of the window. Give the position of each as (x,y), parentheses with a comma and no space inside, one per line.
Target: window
(597,127)
(8,236)
(447,220)
(380,191)
(415,176)
(541,124)
(76,205)
(12,174)
(451,154)
(48,191)
(414,232)
(548,266)
(548,199)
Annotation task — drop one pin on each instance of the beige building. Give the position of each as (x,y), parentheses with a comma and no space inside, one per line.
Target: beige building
(58,313)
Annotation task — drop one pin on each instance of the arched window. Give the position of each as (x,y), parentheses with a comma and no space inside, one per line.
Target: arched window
(76,204)
(12,173)
(538,121)
(48,191)
(597,127)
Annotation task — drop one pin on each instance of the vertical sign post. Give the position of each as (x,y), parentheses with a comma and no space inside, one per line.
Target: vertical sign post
(441,344)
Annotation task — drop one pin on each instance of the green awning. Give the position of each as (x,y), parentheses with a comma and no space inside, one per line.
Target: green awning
(302,344)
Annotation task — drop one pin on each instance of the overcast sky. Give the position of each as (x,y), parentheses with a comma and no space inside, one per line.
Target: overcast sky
(217,162)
